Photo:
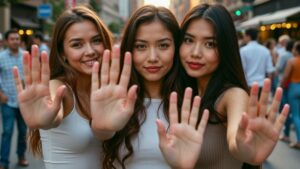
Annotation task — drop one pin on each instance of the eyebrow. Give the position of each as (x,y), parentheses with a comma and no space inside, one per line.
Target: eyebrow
(79,39)
(160,40)
(206,37)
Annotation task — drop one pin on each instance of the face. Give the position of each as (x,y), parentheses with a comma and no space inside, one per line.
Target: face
(13,41)
(153,51)
(198,51)
(83,46)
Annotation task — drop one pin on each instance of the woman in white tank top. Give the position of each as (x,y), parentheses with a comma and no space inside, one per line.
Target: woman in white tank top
(152,36)
(59,116)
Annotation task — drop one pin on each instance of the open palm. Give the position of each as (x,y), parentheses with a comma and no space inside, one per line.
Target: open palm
(259,128)
(36,105)
(181,145)
(112,104)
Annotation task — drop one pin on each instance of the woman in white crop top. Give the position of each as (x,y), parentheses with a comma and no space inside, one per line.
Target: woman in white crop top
(59,116)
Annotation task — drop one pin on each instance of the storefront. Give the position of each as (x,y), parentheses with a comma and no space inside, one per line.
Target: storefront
(286,21)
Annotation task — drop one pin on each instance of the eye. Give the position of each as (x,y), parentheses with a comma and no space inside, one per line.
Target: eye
(76,45)
(140,46)
(187,40)
(164,46)
(97,40)
(210,44)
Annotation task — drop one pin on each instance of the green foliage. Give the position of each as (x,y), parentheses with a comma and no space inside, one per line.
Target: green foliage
(95,6)
(115,27)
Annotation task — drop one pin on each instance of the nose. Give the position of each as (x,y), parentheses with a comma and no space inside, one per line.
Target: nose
(153,55)
(196,51)
(89,49)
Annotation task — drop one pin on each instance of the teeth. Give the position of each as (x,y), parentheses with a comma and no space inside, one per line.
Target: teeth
(90,63)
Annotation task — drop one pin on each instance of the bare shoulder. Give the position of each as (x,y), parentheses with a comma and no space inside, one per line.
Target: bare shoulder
(235,92)
(232,97)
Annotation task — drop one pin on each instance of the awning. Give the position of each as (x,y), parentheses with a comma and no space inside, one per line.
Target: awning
(26,23)
(270,18)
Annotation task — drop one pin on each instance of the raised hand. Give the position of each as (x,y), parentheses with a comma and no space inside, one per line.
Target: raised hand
(36,105)
(181,145)
(259,128)
(112,104)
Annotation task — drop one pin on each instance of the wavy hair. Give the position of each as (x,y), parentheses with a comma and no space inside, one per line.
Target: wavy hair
(59,69)
(145,14)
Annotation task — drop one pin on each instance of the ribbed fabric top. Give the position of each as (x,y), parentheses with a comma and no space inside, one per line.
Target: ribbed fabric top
(295,74)
(215,152)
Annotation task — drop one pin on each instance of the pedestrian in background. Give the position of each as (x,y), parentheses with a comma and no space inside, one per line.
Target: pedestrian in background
(256,60)
(10,57)
(292,76)
(38,39)
(280,67)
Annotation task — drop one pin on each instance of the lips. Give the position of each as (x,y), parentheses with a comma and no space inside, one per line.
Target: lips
(152,69)
(195,65)
(90,62)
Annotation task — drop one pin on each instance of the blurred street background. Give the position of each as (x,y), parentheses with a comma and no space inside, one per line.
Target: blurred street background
(273,18)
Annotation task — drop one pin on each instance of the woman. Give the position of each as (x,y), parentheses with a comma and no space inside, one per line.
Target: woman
(209,53)
(58,110)
(292,75)
(152,36)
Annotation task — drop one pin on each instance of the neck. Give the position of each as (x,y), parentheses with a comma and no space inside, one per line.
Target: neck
(84,84)
(14,51)
(202,84)
(154,89)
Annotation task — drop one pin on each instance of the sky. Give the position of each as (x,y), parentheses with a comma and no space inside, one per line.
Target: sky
(164,3)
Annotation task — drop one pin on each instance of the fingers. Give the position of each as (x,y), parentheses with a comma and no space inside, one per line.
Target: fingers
(243,126)
(253,105)
(203,122)
(115,65)
(58,98)
(131,98)
(105,68)
(275,105)
(173,112)
(26,68)
(126,71)
(282,117)
(18,82)
(264,98)
(45,77)
(95,77)
(186,105)
(195,111)
(36,66)
(161,130)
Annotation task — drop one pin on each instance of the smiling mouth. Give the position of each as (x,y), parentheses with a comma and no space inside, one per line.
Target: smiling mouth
(195,66)
(153,69)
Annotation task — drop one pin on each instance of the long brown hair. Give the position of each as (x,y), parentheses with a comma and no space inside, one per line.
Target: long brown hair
(59,69)
(145,14)
(230,71)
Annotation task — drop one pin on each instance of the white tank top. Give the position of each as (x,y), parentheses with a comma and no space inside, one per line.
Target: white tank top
(147,154)
(71,145)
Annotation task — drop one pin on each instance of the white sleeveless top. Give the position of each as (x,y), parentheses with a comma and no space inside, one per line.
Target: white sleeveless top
(147,154)
(71,145)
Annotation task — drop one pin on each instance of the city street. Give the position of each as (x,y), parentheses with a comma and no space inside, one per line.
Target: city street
(282,157)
